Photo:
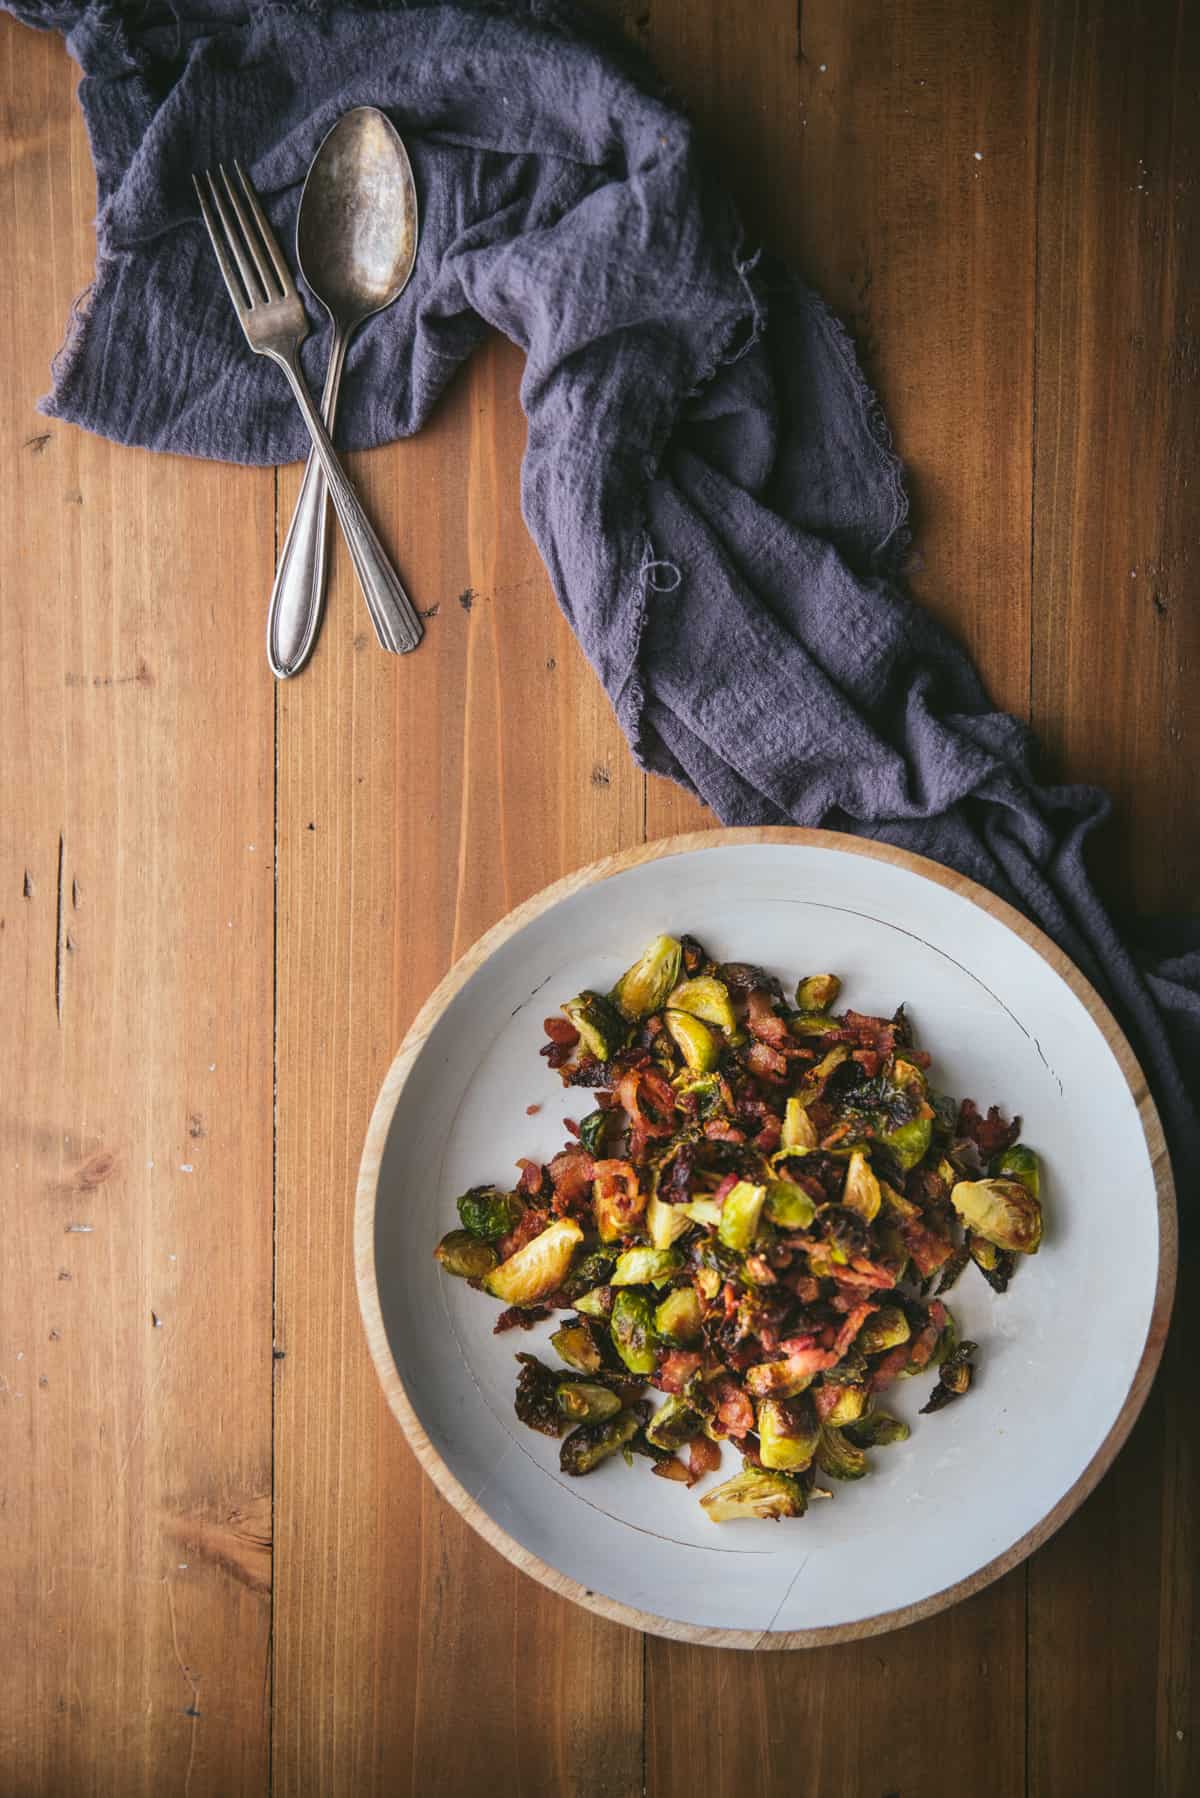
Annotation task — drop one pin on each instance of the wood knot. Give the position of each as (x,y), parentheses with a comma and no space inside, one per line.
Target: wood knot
(95,1171)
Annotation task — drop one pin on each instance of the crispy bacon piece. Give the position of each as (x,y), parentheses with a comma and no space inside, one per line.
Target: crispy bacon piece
(648,1100)
(721,1130)
(764,1062)
(764,1022)
(928,1250)
(673,1469)
(854,1322)
(923,1344)
(561,1030)
(825,1399)
(531,1224)
(735,1413)
(519,1317)
(890,1367)
(806,1289)
(704,1456)
(869,1060)
(533,1178)
(571,1173)
(992,1133)
(676,1369)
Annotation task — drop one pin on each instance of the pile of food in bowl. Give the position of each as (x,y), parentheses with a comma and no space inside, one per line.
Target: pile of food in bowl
(759,1220)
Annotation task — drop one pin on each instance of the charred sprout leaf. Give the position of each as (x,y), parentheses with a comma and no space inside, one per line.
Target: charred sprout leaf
(953,1268)
(787,1434)
(489,1213)
(954,1380)
(646,1267)
(947,1342)
(861,1191)
(799,1132)
(645,986)
(996,1265)
(586,1401)
(816,1076)
(575,1343)
(851,1403)
(463,1254)
(755,1492)
(632,1326)
(679,1317)
(592,1131)
(886,1329)
(596,1303)
(705,1089)
(945,1113)
(878,1430)
(591,1443)
(535,1403)
(788,1206)
(665,1222)
(818,992)
(740,1215)
(1003,1212)
(694,1040)
(602,1030)
(592,1270)
(702,1211)
(696,959)
(540,1267)
(707,999)
(1020,1163)
(840,1458)
(673,1424)
(781,1379)
(745,977)
(844,1231)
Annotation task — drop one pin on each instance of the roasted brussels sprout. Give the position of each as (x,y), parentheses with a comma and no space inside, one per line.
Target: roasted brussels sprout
(679,1318)
(851,1403)
(818,992)
(886,1329)
(817,1075)
(591,1443)
(813,1023)
(1003,1212)
(861,1192)
(586,1401)
(910,1142)
(535,1401)
(1020,1163)
(755,1492)
(787,1434)
(575,1343)
(799,1132)
(665,1222)
(781,1379)
(596,1303)
(788,1206)
(489,1213)
(673,1424)
(465,1255)
(592,1131)
(708,999)
(705,1088)
(838,1457)
(702,1211)
(602,1030)
(632,1326)
(694,1040)
(540,1267)
(740,1215)
(954,1378)
(646,1267)
(591,1270)
(877,1430)
(645,986)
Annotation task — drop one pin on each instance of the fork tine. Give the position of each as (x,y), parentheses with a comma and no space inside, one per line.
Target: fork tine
(262,266)
(217,239)
(270,244)
(256,291)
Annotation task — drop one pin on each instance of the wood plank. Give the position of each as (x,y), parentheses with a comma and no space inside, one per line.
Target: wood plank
(418,800)
(1113,1600)
(1116,555)
(136,737)
(849,137)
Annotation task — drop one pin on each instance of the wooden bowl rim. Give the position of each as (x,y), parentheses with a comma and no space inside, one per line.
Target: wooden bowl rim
(368,1189)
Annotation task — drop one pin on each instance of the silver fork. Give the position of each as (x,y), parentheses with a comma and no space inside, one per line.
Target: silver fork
(272,316)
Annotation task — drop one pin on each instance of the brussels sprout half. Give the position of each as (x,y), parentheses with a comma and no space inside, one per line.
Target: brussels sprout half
(787,1206)
(879,1429)
(818,992)
(1020,1163)
(707,999)
(575,1343)
(632,1327)
(591,1443)
(838,1457)
(465,1255)
(646,1267)
(602,1030)
(756,1493)
(886,1329)
(664,1223)
(694,1040)
(740,1215)
(787,1434)
(540,1267)
(1003,1212)
(799,1133)
(861,1192)
(673,1424)
(585,1401)
(645,986)
(489,1213)
(679,1318)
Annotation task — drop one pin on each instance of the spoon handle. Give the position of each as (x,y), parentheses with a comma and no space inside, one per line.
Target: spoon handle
(298,596)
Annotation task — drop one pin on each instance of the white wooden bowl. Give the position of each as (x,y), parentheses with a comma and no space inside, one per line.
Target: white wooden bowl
(1066,1356)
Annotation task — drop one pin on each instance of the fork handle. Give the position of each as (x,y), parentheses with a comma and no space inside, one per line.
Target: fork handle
(396,623)
(298,595)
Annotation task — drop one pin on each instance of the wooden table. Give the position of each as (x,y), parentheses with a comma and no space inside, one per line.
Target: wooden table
(222,901)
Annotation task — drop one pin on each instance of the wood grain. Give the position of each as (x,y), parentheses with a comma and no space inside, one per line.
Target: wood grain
(135,1062)
(418,800)
(1114,1617)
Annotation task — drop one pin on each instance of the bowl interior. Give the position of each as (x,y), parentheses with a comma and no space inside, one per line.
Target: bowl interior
(1058,1352)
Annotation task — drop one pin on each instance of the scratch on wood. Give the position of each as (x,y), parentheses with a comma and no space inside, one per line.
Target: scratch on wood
(27,886)
(59,936)
(800,56)
(37,445)
(194,1709)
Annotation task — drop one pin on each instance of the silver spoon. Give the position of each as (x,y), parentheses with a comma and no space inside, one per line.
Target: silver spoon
(356,240)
